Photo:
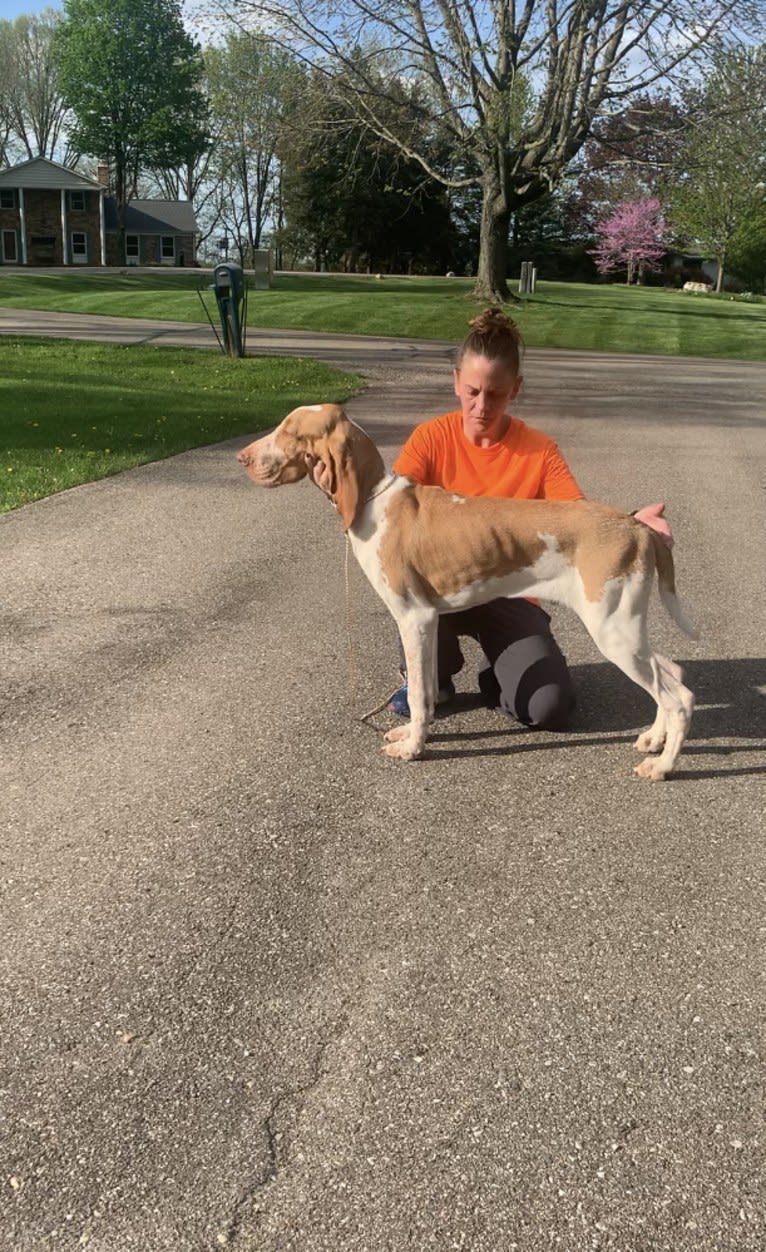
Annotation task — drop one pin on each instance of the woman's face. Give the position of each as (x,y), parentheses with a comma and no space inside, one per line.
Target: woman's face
(485,389)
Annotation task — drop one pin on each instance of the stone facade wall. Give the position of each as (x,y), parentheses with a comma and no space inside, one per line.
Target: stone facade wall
(42,216)
(42,212)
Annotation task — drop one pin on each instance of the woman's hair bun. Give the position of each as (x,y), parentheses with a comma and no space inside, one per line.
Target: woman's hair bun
(495,335)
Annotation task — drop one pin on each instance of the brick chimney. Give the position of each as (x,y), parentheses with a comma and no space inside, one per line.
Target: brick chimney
(103,174)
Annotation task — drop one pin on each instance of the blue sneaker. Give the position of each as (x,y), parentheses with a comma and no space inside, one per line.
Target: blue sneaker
(399,704)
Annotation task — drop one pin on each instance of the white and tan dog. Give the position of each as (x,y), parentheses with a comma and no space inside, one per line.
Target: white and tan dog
(428,552)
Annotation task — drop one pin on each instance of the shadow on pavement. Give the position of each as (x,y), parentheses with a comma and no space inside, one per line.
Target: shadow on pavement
(731,705)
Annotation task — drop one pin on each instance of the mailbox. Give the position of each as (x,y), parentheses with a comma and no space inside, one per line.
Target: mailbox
(228,287)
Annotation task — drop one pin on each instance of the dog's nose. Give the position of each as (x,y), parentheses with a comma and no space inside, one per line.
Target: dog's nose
(243,457)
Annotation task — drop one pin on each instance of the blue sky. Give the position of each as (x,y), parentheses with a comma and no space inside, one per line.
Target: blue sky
(14,8)
(11,9)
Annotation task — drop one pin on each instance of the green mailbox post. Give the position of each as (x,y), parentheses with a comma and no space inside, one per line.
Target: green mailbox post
(229,288)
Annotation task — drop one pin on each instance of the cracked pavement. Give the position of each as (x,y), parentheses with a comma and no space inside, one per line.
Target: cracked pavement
(263,988)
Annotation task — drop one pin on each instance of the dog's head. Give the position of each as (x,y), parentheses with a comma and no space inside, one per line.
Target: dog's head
(317,432)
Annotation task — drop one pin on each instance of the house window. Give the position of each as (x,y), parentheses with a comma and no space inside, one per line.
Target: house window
(10,251)
(7,199)
(167,248)
(132,251)
(77,201)
(79,247)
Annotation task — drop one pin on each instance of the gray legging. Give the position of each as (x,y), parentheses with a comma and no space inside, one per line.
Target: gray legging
(527,675)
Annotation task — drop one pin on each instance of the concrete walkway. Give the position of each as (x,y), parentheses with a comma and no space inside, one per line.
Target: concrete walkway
(262,987)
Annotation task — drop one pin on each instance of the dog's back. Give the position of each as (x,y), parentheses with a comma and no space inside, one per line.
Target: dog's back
(443,544)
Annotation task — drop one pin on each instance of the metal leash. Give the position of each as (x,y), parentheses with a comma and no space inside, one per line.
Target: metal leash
(379,707)
(352,658)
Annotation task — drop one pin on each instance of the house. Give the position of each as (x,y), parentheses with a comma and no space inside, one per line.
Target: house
(51,215)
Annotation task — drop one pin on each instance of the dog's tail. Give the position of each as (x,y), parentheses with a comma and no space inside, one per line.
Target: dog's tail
(666,581)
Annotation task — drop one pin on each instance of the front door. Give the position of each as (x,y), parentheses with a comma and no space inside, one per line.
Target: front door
(10,249)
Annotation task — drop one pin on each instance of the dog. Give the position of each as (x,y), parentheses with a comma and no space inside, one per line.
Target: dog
(428,552)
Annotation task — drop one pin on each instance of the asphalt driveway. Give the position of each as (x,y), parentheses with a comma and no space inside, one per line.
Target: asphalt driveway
(262,987)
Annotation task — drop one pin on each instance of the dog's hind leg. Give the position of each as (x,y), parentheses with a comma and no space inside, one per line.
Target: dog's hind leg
(621,636)
(653,739)
(678,703)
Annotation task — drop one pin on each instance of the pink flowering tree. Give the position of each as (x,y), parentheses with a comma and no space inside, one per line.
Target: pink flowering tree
(633,238)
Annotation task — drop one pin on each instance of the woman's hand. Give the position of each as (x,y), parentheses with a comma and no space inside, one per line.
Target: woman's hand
(652,516)
(319,473)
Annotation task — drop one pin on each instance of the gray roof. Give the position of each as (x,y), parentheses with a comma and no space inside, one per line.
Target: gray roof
(153,217)
(40,172)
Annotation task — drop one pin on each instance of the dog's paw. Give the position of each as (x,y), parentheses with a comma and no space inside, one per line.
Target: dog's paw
(651,769)
(404,750)
(402,744)
(649,741)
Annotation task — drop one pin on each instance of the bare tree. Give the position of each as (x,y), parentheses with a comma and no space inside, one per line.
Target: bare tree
(31,102)
(6,78)
(516,84)
(250,83)
(192,180)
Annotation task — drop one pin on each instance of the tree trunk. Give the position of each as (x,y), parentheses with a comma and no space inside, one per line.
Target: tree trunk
(721,266)
(121,198)
(492,276)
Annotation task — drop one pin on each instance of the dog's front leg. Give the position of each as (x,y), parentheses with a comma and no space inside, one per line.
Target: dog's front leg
(418,633)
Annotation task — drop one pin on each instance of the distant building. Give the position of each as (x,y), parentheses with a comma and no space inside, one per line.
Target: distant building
(51,215)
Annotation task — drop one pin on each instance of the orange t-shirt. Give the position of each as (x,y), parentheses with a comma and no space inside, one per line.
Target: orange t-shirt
(525,464)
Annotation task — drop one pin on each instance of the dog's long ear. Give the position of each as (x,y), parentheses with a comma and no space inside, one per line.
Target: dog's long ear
(344,487)
(347,497)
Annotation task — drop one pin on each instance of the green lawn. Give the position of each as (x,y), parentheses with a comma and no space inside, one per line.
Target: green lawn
(607,317)
(74,412)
